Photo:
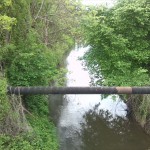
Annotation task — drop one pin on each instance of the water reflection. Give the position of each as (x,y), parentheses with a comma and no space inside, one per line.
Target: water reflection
(101,131)
(86,122)
(55,104)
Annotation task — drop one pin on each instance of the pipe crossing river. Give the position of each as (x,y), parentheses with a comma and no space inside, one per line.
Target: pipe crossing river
(77,90)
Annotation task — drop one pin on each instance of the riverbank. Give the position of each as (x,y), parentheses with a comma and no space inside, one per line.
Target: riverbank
(22,128)
(139,108)
(26,123)
(41,136)
(32,45)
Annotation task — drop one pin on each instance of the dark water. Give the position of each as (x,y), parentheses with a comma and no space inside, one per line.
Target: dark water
(88,122)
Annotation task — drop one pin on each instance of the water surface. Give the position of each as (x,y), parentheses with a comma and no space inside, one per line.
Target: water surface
(88,122)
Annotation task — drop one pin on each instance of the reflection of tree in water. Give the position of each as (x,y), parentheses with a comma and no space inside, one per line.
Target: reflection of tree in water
(103,132)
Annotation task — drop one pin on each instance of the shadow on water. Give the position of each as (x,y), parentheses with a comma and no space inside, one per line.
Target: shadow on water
(55,104)
(101,131)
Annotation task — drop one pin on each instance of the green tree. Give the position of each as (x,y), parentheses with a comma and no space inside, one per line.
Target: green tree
(120,44)
(35,36)
(6,21)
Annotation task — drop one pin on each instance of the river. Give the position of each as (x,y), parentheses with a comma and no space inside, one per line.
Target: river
(91,122)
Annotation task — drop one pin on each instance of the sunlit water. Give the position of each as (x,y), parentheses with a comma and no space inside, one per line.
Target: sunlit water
(88,122)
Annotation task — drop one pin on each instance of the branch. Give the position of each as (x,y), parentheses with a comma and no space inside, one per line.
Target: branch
(39,10)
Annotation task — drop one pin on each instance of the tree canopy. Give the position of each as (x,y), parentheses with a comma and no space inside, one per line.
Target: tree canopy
(120,44)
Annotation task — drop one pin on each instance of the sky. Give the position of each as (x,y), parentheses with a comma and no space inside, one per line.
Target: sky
(98,2)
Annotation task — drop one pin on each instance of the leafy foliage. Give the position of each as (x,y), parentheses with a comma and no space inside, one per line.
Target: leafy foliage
(6,21)
(43,137)
(4,104)
(120,46)
(35,36)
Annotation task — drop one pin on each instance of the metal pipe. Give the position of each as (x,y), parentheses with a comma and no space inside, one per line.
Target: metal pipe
(77,90)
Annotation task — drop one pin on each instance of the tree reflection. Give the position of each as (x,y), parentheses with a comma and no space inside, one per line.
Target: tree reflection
(101,131)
